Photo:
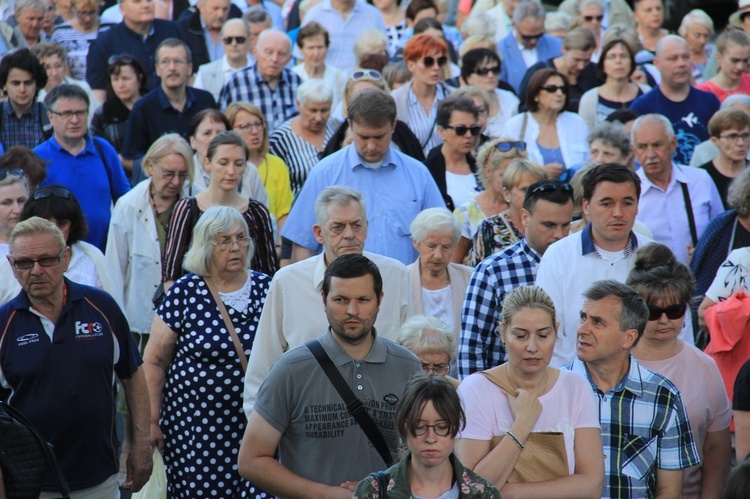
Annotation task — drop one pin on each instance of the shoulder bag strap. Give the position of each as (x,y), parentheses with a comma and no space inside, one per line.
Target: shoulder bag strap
(502,384)
(689,209)
(228,323)
(353,404)
(382,478)
(100,151)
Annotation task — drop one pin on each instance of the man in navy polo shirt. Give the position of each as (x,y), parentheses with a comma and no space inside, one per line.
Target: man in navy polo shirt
(62,345)
(168,108)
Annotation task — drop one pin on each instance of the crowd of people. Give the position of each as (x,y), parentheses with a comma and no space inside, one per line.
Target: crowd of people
(337,248)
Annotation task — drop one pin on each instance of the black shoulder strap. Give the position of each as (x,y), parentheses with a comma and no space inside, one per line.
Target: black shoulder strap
(382,478)
(100,151)
(353,404)
(44,123)
(691,217)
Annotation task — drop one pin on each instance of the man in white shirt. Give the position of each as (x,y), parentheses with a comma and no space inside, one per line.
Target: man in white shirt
(235,37)
(676,202)
(292,314)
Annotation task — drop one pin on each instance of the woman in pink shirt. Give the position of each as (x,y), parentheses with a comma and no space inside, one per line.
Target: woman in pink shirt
(734,63)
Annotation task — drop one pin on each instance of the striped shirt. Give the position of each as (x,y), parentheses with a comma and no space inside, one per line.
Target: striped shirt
(298,154)
(644,427)
(425,126)
(25,131)
(77,44)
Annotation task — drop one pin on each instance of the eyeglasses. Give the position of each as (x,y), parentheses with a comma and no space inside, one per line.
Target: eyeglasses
(66,115)
(734,137)
(531,38)
(518,145)
(121,59)
(462,129)
(170,175)
(227,244)
(549,187)
(598,18)
(16,172)
(165,63)
(86,13)
(46,261)
(436,368)
(250,127)
(554,88)
(228,40)
(440,429)
(673,312)
(46,192)
(366,74)
(428,62)
(485,71)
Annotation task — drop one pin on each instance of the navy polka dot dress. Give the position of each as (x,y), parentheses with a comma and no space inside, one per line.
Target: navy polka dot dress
(201,416)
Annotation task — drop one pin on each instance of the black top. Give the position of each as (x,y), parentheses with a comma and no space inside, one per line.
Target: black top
(109,122)
(587,80)
(741,400)
(722,181)
(435,163)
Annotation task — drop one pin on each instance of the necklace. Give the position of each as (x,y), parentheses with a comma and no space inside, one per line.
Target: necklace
(537,392)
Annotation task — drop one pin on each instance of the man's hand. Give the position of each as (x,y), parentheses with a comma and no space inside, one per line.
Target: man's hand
(157,437)
(140,463)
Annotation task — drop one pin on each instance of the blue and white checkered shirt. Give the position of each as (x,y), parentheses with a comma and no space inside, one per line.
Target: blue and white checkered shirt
(498,274)
(277,105)
(644,427)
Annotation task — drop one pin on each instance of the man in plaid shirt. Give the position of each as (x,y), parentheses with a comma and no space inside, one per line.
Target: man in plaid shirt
(645,430)
(546,215)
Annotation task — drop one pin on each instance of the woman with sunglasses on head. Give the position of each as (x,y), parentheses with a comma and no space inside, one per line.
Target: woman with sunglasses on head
(667,286)
(417,101)
(554,137)
(428,418)
(313,41)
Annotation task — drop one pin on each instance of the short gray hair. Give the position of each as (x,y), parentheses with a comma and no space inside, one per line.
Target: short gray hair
(257,15)
(33,226)
(634,311)
(315,90)
(613,133)
(174,43)
(422,334)
(738,195)
(213,222)
(64,91)
(478,25)
(583,3)
(274,32)
(558,20)
(665,123)
(741,99)
(29,4)
(434,220)
(526,9)
(367,41)
(338,195)
(699,17)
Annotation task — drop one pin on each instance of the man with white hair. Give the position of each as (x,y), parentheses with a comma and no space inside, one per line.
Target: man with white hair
(676,202)
(687,108)
(267,83)
(235,37)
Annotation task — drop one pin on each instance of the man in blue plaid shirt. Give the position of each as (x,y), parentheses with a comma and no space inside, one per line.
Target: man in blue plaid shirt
(645,430)
(546,215)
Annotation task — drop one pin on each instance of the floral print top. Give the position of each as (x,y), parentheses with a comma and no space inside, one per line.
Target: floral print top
(494,235)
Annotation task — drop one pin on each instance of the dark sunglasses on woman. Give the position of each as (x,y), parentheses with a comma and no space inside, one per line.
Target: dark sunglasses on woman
(428,62)
(485,71)
(673,312)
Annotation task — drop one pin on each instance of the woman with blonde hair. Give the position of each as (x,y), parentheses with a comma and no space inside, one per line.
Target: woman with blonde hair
(360,79)
(697,28)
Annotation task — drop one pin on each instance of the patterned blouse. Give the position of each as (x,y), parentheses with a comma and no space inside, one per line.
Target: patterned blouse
(494,234)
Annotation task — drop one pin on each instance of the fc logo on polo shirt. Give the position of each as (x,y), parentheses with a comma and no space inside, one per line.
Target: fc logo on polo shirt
(88,330)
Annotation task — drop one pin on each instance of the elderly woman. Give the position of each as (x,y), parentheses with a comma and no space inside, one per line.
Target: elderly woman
(505,229)
(697,28)
(493,159)
(417,101)
(428,419)
(54,58)
(77,34)
(247,120)
(616,65)
(451,164)
(225,163)
(433,342)
(481,68)
(730,131)
(299,141)
(667,287)
(29,16)
(510,402)
(369,41)
(201,337)
(733,55)
(313,41)
(13,194)
(438,286)
(558,23)
(555,138)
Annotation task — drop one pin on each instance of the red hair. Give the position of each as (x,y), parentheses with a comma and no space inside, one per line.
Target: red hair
(420,46)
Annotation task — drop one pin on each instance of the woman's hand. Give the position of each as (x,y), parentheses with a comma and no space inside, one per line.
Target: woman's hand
(554,170)
(157,437)
(525,407)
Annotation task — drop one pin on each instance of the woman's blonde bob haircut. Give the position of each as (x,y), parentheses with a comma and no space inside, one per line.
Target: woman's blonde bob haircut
(234,109)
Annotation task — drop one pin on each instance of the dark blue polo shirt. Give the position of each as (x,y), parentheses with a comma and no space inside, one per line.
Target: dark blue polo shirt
(65,385)
(120,39)
(153,116)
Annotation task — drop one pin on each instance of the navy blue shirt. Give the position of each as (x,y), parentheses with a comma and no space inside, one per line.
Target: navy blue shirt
(120,39)
(64,384)
(153,116)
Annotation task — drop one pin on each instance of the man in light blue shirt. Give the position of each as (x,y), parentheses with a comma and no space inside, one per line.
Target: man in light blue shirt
(395,187)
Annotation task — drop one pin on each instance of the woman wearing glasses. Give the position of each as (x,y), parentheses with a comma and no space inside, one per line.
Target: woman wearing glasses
(193,364)
(697,28)
(313,41)
(554,137)
(667,286)
(428,418)
(505,405)
(433,342)
(417,101)
(590,14)
(77,34)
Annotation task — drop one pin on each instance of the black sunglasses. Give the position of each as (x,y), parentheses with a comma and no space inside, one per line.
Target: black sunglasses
(428,62)
(462,129)
(554,88)
(46,192)
(588,19)
(485,71)
(549,187)
(228,40)
(531,38)
(673,312)
(518,145)
(16,172)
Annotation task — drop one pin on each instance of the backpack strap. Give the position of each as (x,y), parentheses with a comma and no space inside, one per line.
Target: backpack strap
(103,157)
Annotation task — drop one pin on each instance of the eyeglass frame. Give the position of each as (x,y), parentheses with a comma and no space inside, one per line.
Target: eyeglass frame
(169,174)
(67,115)
(671,312)
(58,258)
(436,368)
(228,244)
(45,192)
(429,62)
(422,429)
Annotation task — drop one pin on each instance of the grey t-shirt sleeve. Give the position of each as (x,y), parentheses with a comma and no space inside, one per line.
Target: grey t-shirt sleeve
(275,396)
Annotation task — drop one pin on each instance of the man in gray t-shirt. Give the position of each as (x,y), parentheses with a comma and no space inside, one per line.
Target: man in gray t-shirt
(322,451)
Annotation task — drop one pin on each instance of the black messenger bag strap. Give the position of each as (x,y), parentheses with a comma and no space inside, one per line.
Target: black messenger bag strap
(691,217)
(353,404)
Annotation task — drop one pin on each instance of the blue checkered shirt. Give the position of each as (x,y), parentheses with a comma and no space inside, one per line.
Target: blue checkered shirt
(644,427)
(496,275)
(247,85)
(24,131)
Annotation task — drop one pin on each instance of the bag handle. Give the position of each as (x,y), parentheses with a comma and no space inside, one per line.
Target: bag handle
(381,477)
(502,384)
(353,404)
(689,209)
(228,323)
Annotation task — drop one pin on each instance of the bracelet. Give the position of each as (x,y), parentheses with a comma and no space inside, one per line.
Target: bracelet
(515,439)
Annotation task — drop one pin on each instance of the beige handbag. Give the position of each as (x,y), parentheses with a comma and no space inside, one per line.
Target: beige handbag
(543,456)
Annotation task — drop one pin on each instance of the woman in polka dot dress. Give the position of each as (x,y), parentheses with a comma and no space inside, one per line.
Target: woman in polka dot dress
(193,370)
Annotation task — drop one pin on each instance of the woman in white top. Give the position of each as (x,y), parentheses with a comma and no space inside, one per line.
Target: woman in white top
(554,137)
(13,195)
(313,41)
(535,398)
